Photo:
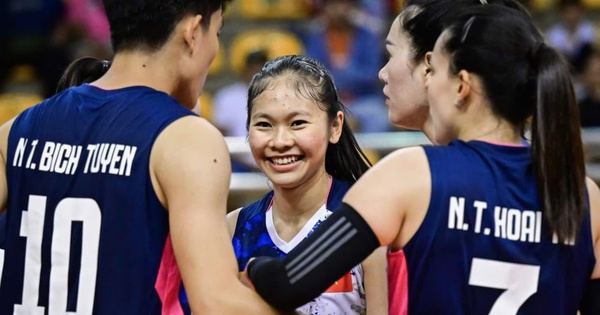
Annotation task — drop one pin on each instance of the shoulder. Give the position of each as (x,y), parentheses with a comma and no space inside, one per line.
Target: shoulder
(403,170)
(251,210)
(403,158)
(594,201)
(190,127)
(192,141)
(4,134)
(190,150)
(396,190)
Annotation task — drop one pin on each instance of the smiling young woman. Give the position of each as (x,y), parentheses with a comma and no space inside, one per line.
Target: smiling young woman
(299,139)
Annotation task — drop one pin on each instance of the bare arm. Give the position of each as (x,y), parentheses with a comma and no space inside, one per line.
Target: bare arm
(232,221)
(590,303)
(393,196)
(594,194)
(4,133)
(375,279)
(192,169)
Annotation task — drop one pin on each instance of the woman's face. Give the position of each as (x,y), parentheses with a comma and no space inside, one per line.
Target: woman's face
(404,82)
(289,135)
(442,93)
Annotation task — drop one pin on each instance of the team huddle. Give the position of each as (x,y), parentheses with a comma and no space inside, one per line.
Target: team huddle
(114,191)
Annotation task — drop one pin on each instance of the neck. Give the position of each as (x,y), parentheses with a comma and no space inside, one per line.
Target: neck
(490,128)
(140,69)
(480,123)
(297,205)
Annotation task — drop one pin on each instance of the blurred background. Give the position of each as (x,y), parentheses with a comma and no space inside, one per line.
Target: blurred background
(39,38)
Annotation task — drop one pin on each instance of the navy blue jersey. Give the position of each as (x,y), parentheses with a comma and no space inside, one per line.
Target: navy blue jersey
(85,232)
(484,246)
(251,238)
(255,235)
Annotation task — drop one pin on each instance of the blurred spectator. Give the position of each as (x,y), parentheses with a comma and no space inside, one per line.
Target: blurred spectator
(350,47)
(589,102)
(229,106)
(573,35)
(27,38)
(88,21)
(47,35)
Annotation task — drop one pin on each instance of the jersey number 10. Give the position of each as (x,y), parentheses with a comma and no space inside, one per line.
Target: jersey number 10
(68,210)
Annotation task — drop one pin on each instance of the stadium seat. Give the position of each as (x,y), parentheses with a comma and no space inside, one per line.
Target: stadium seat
(274,9)
(218,63)
(275,43)
(12,104)
(542,5)
(592,4)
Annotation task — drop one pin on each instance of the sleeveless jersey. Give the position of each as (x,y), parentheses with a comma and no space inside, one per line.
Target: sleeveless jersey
(255,235)
(484,246)
(85,232)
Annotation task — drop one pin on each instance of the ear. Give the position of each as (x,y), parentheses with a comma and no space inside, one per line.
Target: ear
(465,83)
(190,27)
(427,63)
(336,128)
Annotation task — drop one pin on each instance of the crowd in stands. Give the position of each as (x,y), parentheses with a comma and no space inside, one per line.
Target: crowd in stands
(40,38)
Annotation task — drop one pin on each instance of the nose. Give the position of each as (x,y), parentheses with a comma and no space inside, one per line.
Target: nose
(282,139)
(383,75)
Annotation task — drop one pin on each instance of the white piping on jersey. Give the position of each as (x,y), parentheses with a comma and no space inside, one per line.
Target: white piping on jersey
(284,246)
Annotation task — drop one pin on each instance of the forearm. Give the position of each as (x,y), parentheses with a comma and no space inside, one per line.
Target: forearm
(232,299)
(339,244)
(375,282)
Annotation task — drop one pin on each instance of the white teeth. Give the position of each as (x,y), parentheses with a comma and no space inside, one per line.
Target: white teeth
(284,161)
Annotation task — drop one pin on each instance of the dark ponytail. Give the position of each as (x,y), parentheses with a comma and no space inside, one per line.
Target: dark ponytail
(524,78)
(345,160)
(556,145)
(83,70)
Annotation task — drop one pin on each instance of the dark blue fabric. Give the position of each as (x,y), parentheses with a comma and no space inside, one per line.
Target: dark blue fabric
(133,226)
(251,238)
(441,254)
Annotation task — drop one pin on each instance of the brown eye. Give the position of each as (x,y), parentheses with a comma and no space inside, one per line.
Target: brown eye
(298,122)
(262,124)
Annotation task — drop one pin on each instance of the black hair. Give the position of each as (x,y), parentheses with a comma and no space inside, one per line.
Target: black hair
(82,70)
(524,78)
(424,20)
(344,160)
(148,24)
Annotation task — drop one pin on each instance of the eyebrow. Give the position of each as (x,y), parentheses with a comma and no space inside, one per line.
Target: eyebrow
(289,116)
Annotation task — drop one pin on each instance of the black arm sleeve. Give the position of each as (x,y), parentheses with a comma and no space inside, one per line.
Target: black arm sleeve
(341,242)
(590,304)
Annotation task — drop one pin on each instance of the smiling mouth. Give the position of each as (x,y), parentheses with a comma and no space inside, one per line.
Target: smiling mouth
(284,160)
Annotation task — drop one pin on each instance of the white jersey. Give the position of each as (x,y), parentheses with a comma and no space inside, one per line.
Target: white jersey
(346,296)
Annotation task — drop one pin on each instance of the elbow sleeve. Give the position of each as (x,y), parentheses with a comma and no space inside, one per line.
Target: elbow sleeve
(341,242)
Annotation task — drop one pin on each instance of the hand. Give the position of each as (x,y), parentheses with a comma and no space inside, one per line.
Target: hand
(244,279)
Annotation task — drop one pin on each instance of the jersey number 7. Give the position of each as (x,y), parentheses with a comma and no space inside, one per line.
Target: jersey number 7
(520,282)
